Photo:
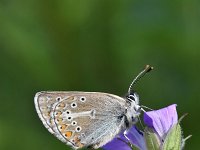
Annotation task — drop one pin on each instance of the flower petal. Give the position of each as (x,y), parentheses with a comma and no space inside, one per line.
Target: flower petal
(117,144)
(135,136)
(161,120)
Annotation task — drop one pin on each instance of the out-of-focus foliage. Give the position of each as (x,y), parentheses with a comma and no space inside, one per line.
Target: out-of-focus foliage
(95,45)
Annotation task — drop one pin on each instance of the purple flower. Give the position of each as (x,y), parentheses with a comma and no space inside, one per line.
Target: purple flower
(161,120)
(120,142)
(117,143)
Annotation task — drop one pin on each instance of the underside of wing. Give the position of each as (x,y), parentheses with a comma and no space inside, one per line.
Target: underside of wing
(81,118)
(44,104)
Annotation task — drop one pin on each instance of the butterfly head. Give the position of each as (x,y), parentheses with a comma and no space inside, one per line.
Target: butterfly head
(133,108)
(132,98)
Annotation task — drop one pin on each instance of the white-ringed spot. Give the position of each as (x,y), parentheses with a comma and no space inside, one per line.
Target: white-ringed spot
(73,105)
(69,118)
(78,129)
(68,111)
(74,123)
(58,98)
(82,99)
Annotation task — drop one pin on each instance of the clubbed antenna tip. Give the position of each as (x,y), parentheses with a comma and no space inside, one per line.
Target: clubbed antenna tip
(147,68)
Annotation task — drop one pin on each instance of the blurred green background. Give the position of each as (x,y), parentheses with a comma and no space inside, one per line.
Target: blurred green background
(96,45)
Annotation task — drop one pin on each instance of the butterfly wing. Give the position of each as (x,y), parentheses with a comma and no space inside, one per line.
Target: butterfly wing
(81,118)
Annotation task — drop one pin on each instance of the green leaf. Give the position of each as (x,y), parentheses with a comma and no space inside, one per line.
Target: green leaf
(173,138)
(151,138)
(133,147)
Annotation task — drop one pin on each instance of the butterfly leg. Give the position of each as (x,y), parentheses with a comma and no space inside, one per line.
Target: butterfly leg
(129,141)
(125,135)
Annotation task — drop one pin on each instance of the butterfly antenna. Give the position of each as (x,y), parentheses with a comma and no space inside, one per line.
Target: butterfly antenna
(142,106)
(140,75)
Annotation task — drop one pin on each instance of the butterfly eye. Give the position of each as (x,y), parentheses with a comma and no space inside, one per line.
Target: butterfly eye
(131,97)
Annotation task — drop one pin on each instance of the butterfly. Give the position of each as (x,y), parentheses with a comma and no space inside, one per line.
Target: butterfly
(82,119)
